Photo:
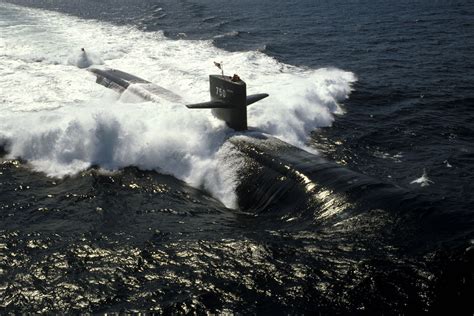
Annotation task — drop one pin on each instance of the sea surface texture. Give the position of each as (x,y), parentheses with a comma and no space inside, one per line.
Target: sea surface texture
(352,192)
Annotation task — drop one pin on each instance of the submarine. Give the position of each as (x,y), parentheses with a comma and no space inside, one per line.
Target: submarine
(283,171)
(229,99)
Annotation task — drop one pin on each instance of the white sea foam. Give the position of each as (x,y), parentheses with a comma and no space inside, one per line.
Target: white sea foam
(423,181)
(83,59)
(56,117)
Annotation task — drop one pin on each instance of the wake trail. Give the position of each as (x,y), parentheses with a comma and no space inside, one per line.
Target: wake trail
(55,116)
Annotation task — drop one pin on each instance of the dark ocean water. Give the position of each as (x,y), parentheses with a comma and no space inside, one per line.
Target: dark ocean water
(347,231)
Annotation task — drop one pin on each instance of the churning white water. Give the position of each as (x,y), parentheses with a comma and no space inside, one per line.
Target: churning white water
(54,115)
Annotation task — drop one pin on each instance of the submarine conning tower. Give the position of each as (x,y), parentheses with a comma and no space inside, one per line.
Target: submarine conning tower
(229,100)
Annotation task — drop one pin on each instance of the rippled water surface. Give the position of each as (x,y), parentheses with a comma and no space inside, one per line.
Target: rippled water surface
(352,193)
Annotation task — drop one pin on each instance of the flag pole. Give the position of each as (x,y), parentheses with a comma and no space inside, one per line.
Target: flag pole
(220,66)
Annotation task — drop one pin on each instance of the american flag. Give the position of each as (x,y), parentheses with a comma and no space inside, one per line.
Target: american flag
(219,65)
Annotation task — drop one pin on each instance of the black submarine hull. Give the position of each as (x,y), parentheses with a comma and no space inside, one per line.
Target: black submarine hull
(121,81)
(229,98)
(289,172)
